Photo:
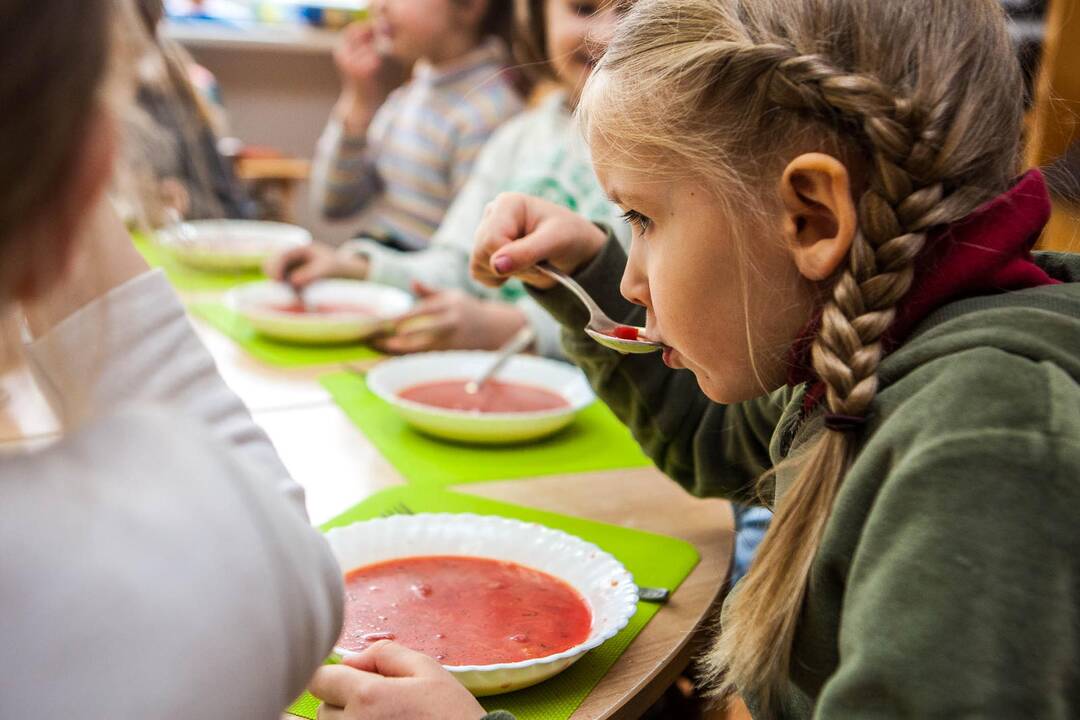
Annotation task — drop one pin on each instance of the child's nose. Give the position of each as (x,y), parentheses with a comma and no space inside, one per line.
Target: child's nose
(635,285)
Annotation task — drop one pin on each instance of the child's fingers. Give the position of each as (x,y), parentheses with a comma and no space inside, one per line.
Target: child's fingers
(423,290)
(519,231)
(548,243)
(314,270)
(416,339)
(390,659)
(358,33)
(275,267)
(338,684)
(504,222)
(433,306)
(429,324)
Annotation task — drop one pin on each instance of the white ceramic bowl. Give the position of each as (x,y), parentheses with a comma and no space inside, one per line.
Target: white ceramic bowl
(257,303)
(390,377)
(602,580)
(230,245)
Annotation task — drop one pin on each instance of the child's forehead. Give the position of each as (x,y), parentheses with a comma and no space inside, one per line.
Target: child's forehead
(629,186)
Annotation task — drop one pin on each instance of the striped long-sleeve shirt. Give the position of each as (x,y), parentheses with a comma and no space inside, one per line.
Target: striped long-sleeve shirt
(404,173)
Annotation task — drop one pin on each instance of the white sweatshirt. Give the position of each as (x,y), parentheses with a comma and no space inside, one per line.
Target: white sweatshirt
(539,153)
(156,562)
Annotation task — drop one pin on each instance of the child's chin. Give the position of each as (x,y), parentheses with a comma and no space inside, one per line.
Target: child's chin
(716,391)
(724,392)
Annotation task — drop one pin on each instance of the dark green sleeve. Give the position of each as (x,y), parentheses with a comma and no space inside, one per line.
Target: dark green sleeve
(962,597)
(709,449)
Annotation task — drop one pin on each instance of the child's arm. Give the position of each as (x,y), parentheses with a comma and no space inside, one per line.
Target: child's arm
(961,597)
(344,180)
(708,448)
(445,262)
(343,175)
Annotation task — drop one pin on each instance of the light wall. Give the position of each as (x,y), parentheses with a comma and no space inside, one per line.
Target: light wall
(280,98)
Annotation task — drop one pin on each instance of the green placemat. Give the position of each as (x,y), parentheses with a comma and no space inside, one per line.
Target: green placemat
(654,560)
(595,441)
(185,278)
(278,353)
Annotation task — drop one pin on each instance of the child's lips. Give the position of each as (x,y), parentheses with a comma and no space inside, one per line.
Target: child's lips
(671,358)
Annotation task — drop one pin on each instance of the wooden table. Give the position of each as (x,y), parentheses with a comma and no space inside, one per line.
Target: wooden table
(338,467)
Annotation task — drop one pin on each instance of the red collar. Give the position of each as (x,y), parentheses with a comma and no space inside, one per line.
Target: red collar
(986,253)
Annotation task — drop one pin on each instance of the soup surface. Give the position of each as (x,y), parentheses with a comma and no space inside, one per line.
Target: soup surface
(495,396)
(298,308)
(463,610)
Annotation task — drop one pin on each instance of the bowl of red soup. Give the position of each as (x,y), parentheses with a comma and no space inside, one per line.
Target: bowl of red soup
(326,312)
(502,604)
(530,398)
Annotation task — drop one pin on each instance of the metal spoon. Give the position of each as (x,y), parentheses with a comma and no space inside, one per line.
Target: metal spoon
(521,340)
(601,327)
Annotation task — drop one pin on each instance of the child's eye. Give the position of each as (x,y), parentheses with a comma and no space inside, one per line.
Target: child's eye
(635,219)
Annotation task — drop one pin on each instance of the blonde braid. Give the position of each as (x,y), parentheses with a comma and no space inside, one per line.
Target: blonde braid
(905,198)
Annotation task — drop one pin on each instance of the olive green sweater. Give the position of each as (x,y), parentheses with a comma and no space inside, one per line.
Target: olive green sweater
(948,581)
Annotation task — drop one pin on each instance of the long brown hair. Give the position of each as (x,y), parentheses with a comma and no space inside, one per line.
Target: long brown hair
(54,55)
(922,98)
(498,21)
(529,42)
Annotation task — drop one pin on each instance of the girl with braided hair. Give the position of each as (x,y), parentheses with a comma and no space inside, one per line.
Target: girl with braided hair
(830,234)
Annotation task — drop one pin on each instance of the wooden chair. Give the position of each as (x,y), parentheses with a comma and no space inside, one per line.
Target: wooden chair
(273,183)
(1055,120)
(272,178)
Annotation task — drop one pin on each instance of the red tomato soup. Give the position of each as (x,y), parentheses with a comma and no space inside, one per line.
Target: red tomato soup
(495,396)
(298,308)
(463,610)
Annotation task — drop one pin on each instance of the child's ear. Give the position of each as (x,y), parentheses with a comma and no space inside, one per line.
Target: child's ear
(820,221)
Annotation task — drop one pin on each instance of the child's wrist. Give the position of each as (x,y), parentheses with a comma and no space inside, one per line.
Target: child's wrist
(355,112)
(353,265)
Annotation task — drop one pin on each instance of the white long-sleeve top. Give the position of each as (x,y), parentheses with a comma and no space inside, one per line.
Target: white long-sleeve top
(540,152)
(157,561)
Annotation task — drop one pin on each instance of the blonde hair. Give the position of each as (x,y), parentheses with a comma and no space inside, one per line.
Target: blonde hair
(921,98)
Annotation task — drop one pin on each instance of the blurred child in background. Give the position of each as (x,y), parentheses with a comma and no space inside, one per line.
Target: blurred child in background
(540,152)
(171,168)
(399,156)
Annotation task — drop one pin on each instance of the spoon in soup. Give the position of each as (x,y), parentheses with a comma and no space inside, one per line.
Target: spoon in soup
(622,338)
(522,339)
